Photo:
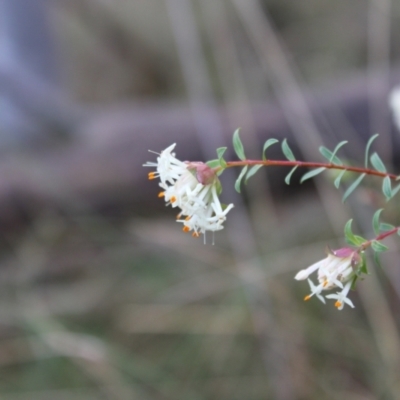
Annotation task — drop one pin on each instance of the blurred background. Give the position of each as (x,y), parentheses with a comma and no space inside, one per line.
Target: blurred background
(102,295)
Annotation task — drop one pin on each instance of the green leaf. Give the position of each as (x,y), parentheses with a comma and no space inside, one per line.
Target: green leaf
(353,282)
(267,144)
(363,266)
(252,171)
(331,155)
(239,179)
(287,151)
(377,163)
(311,174)
(338,179)
(289,175)
(387,188)
(375,221)
(213,163)
(371,139)
(352,187)
(384,227)
(337,148)
(395,190)
(378,246)
(352,239)
(220,154)
(238,145)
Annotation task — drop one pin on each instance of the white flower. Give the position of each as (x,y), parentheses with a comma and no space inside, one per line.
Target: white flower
(341,297)
(337,270)
(192,187)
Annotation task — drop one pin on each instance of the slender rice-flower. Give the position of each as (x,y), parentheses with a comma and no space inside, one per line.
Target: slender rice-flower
(193,187)
(337,270)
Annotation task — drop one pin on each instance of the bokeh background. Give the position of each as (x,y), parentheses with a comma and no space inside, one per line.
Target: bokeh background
(102,295)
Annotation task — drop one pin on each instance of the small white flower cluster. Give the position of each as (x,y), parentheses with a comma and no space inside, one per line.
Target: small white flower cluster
(192,187)
(337,270)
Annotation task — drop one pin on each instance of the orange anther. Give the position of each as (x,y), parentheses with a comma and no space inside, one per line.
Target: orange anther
(173,199)
(195,234)
(338,304)
(308,297)
(161,194)
(152,175)
(186,229)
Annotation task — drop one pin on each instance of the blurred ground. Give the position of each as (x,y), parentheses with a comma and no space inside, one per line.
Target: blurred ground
(103,296)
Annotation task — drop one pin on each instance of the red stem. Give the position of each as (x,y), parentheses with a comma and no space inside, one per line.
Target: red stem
(306,164)
(379,237)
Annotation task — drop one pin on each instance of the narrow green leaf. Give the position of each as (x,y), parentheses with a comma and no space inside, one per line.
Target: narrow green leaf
(353,282)
(267,144)
(311,174)
(363,269)
(252,171)
(395,190)
(352,187)
(371,139)
(375,221)
(289,175)
(220,154)
(239,179)
(352,239)
(213,163)
(287,151)
(377,163)
(331,155)
(378,246)
(387,188)
(238,145)
(338,179)
(337,148)
(348,233)
(384,227)
(221,151)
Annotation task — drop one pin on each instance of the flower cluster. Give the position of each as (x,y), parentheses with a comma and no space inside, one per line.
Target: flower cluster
(337,270)
(193,187)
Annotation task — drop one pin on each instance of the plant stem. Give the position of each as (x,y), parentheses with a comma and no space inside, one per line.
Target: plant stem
(381,236)
(306,164)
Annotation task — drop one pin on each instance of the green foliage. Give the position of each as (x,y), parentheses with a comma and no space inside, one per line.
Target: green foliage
(378,246)
(339,178)
(220,153)
(375,221)
(331,155)
(387,188)
(384,227)
(352,187)
(238,145)
(267,144)
(369,143)
(311,174)
(352,239)
(252,171)
(287,151)
(239,179)
(378,163)
(289,175)
(214,163)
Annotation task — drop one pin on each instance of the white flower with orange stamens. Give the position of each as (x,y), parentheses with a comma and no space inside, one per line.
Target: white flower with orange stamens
(337,270)
(193,187)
